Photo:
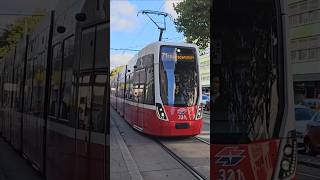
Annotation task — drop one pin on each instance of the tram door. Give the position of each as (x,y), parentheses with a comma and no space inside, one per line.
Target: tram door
(90,132)
(140,97)
(82,133)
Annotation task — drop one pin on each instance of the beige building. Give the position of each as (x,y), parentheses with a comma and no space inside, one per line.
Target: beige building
(304,47)
(205,69)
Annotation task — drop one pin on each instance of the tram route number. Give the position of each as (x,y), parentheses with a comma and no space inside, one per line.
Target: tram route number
(230,174)
(182,117)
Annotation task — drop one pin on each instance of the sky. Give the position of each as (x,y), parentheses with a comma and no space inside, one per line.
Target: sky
(21,7)
(129,31)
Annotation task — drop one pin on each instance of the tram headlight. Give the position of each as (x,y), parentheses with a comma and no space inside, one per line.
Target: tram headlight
(199,113)
(161,112)
(288,150)
(285,165)
(289,158)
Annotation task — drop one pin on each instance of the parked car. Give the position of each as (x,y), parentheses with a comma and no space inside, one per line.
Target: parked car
(205,102)
(312,137)
(207,107)
(303,116)
(313,103)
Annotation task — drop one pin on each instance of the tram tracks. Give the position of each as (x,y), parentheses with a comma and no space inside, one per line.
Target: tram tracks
(180,150)
(180,160)
(202,140)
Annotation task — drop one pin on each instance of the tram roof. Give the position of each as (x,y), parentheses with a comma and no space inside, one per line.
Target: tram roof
(151,47)
(160,43)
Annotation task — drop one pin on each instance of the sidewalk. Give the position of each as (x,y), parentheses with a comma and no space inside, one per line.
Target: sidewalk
(122,165)
(13,166)
(147,160)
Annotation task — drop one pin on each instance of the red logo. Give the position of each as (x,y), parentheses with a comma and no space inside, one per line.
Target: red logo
(230,156)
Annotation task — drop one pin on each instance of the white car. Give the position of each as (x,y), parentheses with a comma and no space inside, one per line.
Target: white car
(303,116)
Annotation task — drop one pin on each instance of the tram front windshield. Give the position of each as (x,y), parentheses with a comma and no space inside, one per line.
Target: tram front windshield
(247,89)
(179,82)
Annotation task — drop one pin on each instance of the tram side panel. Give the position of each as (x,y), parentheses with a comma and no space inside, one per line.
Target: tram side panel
(62,110)
(92,92)
(34,92)
(264,141)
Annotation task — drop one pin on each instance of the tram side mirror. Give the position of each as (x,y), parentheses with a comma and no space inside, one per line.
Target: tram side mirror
(135,66)
(61,29)
(128,70)
(81,17)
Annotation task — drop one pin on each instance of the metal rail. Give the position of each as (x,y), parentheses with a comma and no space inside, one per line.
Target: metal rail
(202,140)
(193,171)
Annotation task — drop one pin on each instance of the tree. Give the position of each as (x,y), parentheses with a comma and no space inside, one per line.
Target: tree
(194,21)
(116,70)
(15,31)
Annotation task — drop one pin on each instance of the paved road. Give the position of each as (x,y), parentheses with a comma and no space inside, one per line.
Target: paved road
(153,162)
(205,133)
(307,173)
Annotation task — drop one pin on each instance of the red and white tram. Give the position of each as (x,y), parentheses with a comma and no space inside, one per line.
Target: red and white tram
(159,91)
(252,119)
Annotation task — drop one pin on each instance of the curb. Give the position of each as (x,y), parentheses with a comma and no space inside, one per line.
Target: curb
(130,162)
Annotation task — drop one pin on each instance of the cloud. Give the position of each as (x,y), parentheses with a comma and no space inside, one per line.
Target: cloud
(120,59)
(168,7)
(123,16)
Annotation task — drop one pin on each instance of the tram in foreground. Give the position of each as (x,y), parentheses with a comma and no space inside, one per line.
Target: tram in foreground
(159,91)
(53,93)
(252,129)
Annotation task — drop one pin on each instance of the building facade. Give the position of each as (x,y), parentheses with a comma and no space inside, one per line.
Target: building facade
(304,47)
(205,70)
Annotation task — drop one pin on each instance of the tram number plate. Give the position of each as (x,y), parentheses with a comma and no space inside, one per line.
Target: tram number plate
(230,174)
(182,117)
(182,125)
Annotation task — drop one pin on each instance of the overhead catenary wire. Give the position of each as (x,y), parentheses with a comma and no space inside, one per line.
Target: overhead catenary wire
(123,49)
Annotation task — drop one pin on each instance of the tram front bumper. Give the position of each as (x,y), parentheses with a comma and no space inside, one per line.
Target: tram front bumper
(180,128)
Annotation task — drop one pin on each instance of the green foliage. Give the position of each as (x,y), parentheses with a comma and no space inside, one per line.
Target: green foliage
(16,30)
(194,21)
(116,70)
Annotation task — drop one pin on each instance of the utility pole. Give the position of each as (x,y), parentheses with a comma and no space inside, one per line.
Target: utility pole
(159,13)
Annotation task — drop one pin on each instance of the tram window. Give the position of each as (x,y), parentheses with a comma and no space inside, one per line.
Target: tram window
(142,82)
(28,86)
(149,82)
(113,87)
(101,46)
(87,48)
(129,88)
(249,72)
(55,80)
(31,85)
(135,86)
(66,80)
(16,98)
(35,89)
(98,103)
(126,94)
(178,76)
(84,101)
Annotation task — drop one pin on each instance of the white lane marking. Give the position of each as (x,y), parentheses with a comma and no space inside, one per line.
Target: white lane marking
(309,175)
